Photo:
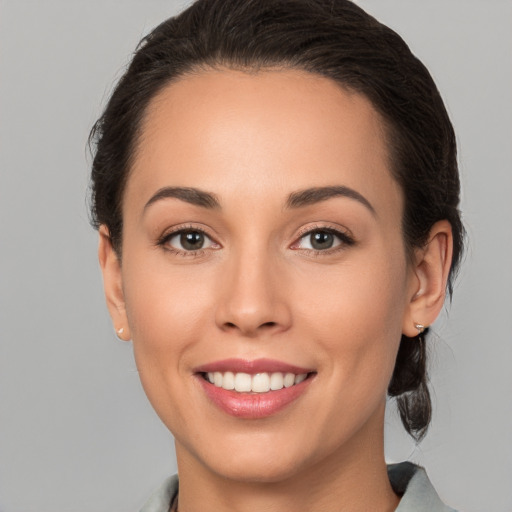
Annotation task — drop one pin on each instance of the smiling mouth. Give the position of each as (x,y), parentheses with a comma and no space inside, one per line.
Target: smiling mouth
(256,389)
(263,382)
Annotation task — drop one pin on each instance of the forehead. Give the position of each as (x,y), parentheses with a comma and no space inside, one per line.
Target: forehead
(238,132)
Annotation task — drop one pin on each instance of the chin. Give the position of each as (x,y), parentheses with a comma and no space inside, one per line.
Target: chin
(256,470)
(254,457)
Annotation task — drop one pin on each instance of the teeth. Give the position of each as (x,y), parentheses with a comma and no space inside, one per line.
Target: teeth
(217,379)
(289,380)
(228,380)
(276,381)
(300,378)
(258,383)
(242,382)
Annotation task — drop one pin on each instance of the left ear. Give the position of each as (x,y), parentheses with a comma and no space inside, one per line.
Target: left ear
(428,286)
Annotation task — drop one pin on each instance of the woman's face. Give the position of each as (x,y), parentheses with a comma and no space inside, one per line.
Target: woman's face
(262,236)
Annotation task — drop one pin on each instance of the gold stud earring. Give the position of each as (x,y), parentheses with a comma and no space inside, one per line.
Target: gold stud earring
(119,332)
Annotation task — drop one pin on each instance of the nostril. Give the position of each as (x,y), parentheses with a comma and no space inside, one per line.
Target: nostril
(265,325)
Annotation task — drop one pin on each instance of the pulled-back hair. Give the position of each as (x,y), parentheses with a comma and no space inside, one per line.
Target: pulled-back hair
(332,38)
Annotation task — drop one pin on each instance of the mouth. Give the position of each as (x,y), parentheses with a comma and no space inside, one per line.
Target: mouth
(264,382)
(253,389)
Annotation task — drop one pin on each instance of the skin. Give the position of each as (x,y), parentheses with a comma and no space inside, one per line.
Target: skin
(257,289)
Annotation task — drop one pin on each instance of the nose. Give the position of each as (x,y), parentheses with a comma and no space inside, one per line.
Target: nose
(253,299)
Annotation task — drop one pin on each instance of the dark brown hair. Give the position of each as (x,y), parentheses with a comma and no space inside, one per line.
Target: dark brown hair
(332,38)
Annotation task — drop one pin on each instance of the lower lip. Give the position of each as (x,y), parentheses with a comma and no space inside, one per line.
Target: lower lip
(253,405)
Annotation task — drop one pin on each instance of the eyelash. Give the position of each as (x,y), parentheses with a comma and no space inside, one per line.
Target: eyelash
(345,240)
(164,239)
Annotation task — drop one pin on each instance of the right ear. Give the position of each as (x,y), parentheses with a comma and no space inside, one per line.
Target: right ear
(113,283)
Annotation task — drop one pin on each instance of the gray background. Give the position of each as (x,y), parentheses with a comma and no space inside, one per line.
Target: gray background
(76,432)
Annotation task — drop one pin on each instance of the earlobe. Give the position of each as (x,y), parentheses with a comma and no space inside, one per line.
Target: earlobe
(113,284)
(431,271)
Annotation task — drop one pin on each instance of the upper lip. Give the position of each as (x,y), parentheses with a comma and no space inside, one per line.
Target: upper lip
(252,367)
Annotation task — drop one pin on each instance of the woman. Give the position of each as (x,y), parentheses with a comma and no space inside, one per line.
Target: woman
(276,191)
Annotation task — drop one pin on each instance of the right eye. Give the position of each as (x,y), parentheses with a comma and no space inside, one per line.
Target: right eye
(188,241)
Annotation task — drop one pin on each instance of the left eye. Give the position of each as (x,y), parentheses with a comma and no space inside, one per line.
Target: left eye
(320,240)
(189,240)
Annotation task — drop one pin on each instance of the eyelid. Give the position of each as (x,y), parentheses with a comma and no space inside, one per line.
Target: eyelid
(344,236)
(181,228)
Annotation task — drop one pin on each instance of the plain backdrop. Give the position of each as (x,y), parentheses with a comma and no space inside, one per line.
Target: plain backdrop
(76,431)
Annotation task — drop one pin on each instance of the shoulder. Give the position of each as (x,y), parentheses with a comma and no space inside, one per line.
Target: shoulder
(412,483)
(161,499)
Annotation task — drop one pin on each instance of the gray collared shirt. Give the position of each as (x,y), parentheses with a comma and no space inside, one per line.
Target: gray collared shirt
(408,480)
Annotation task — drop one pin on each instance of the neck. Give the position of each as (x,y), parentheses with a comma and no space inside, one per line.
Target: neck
(352,478)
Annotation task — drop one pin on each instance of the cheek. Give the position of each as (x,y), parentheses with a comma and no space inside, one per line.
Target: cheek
(355,316)
(165,308)
(166,312)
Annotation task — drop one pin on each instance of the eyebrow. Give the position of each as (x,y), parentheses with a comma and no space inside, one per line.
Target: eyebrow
(297,199)
(188,194)
(315,195)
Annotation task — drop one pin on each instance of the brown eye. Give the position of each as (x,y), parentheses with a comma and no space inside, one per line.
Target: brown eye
(192,240)
(188,240)
(321,240)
